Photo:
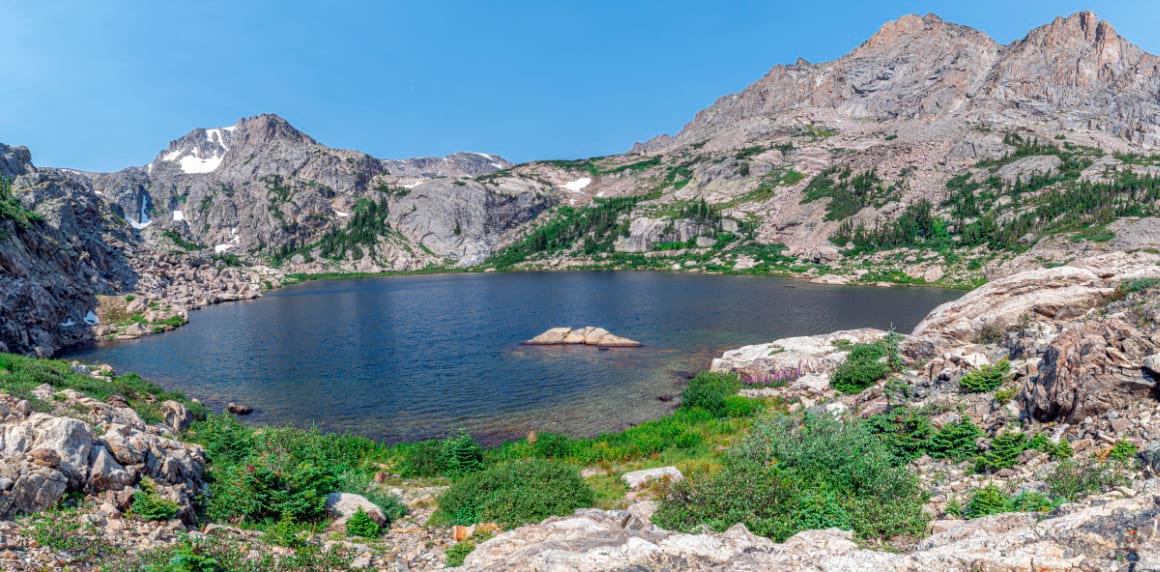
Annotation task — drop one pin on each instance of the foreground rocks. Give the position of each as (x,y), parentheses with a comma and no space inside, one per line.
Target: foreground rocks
(589,336)
(45,456)
(805,354)
(1091,369)
(1101,535)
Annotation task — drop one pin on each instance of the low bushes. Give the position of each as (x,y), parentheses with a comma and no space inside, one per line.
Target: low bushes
(986,378)
(910,434)
(796,473)
(710,391)
(273,475)
(150,505)
(515,493)
(863,367)
(993,500)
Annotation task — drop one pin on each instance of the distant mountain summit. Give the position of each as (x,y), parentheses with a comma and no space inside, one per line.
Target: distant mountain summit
(1075,72)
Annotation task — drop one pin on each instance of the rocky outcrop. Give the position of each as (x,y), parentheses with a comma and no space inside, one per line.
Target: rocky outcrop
(1051,293)
(588,336)
(44,456)
(1097,536)
(1089,370)
(51,268)
(803,354)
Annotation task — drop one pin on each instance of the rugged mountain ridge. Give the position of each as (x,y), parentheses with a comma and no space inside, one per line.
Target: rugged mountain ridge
(923,111)
(203,222)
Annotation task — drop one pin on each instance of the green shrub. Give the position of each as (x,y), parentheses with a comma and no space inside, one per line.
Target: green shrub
(993,500)
(907,431)
(255,494)
(861,369)
(709,390)
(792,474)
(150,505)
(516,493)
(986,501)
(986,378)
(955,441)
(458,553)
(738,406)
(1004,451)
(1040,442)
(1005,395)
(361,524)
(463,454)
(1072,481)
(1123,451)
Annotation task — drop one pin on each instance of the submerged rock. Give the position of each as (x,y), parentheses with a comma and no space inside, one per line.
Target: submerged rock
(588,336)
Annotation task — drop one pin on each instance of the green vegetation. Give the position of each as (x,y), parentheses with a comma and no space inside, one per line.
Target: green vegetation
(515,493)
(1012,215)
(597,225)
(796,473)
(993,500)
(150,505)
(1135,285)
(910,434)
(263,477)
(458,553)
(986,378)
(1004,451)
(11,209)
(361,524)
(1123,451)
(179,240)
(848,193)
(214,553)
(865,365)
(711,391)
(782,177)
(19,375)
(1072,481)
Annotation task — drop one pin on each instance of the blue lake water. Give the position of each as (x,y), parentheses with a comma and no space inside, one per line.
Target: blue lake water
(412,357)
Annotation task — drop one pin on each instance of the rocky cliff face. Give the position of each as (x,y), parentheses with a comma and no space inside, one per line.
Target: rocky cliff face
(52,266)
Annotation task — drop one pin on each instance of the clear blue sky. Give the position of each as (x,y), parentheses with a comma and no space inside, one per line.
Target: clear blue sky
(100,85)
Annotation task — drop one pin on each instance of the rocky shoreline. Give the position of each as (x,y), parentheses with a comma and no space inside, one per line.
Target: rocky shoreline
(1082,343)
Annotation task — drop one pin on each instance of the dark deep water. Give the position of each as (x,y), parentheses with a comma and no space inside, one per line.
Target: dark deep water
(411,357)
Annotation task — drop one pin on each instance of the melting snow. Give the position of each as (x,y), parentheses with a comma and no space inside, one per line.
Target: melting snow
(485,156)
(497,165)
(178,216)
(218,249)
(578,185)
(138,225)
(68,324)
(412,185)
(92,319)
(172,155)
(194,164)
(341,214)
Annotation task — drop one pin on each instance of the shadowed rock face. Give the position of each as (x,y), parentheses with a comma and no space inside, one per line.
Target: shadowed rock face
(51,270)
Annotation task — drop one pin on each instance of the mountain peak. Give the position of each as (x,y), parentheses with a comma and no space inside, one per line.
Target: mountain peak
(906,26)
(269,127)
(1078,28)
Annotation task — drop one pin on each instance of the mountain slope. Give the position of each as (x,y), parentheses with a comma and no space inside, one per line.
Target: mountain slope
(928,137)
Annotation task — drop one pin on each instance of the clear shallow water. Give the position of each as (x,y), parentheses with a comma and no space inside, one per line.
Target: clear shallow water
(412,357)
